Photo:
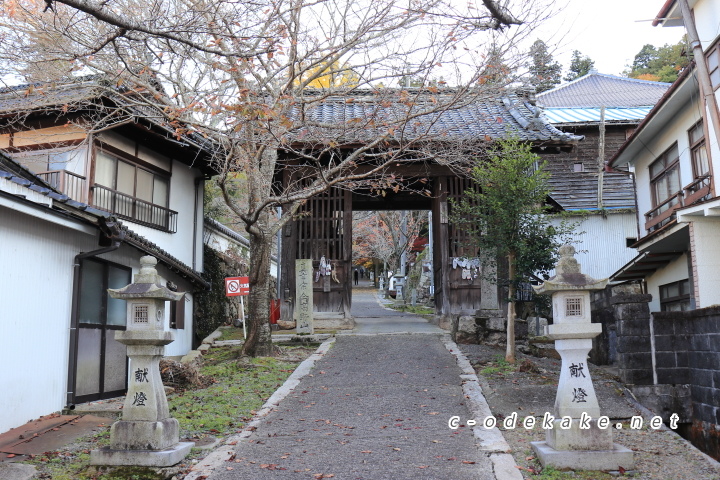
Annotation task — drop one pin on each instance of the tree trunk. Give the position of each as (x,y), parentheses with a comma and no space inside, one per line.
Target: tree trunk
(510,350)
(259,340)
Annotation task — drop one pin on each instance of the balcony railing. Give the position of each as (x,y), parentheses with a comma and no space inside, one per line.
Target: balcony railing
(693,193)
(68,183)
(134,209)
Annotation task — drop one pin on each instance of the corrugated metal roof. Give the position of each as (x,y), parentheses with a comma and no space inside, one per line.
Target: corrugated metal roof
(560,115)
(596,89)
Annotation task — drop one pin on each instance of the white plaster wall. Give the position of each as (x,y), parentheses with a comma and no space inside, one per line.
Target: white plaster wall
(36,259)
(706,259)
(675,271)
(707,18)
(601,241)
(677,131)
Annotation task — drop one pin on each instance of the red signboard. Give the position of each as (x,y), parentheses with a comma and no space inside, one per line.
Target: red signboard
(237,286)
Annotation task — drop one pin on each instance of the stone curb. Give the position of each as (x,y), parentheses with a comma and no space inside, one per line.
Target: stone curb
(217,458)
(491,441)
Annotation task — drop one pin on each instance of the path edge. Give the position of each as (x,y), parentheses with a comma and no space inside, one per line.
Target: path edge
(491,441)
(218,457)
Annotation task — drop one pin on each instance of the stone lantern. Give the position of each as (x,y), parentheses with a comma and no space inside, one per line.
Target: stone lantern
(574,439)
(146,435)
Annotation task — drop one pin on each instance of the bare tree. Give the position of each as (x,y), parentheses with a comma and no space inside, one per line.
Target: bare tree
(239,73)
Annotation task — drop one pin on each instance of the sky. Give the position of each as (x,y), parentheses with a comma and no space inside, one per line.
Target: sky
(607,31)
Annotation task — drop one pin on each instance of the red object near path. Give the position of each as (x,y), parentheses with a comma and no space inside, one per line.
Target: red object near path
(274,310)
(237,286)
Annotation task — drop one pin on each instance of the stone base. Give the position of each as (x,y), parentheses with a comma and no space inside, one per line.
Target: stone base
(332,321)
(144,435)
(605,460)
(575,438)
(142,458)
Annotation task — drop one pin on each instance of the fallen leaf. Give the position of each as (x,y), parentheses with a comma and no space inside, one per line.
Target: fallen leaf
(366,451)
(468,462)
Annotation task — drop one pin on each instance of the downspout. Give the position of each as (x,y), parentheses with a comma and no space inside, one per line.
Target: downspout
(601,159)
(117,239)
(703,74)
(195,222)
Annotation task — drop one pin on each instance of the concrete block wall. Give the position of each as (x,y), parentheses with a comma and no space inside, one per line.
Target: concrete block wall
(632,323)
(688,352)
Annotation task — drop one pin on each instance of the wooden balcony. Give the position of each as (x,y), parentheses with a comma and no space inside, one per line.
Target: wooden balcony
(134,209)
(661,215)
(67,183)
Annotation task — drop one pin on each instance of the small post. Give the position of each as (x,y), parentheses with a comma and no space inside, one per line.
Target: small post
(146,435)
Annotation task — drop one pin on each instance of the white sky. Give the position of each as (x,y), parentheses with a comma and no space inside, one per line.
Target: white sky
(607,31)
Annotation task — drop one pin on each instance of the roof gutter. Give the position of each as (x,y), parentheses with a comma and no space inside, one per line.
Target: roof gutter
(658,106)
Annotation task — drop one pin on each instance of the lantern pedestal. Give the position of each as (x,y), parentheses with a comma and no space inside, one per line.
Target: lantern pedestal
(146,435)
(576,439)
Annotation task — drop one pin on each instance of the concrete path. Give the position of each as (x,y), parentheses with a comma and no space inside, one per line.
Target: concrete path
(374,407)
(372,318)
(372,404)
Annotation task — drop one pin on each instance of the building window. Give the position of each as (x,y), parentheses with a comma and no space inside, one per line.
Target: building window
(133,192)
(698,151)
(578,167)
(675,297)
(665,179)
(713,62)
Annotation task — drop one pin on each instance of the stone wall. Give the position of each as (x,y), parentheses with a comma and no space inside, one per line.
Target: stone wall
(687,351)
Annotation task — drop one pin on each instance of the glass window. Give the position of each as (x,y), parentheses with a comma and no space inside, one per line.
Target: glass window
(698,150)
(675,297)
(665,177)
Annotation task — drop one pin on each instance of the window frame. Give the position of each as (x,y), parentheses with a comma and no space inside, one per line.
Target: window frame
(668,167)
(683,298)
(138,165)
(134,208)
(695,147)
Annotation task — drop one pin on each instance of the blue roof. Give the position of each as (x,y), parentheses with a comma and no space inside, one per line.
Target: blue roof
(559,115)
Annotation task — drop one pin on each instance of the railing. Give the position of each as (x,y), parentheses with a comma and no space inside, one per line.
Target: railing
(68,183)
(661,215)
(131,208)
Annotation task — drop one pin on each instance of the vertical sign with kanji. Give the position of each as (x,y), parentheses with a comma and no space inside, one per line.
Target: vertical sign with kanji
(304,296)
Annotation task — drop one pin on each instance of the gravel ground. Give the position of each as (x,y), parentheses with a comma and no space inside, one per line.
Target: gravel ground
(659,454)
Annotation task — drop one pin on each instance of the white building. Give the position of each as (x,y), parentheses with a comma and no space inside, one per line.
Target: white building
(74,220)
(674,154)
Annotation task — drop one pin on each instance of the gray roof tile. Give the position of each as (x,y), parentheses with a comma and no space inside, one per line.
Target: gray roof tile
(597,90)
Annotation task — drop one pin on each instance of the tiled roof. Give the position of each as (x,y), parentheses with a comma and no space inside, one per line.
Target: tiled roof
(482,119)
(98,94)
(567,116)
(596,90)
(18,175)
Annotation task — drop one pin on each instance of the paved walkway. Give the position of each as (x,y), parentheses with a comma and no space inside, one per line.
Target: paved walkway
(373,407)
(371,317)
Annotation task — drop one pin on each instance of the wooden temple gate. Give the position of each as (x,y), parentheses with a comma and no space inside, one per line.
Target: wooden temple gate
(323,233)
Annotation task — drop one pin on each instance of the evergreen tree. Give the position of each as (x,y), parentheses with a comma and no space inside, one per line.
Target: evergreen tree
(544,70)
(507,219)
(580,65)
(662,64)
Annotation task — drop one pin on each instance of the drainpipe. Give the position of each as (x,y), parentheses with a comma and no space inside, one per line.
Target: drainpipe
(703,74)
(601,159)
(117,239)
